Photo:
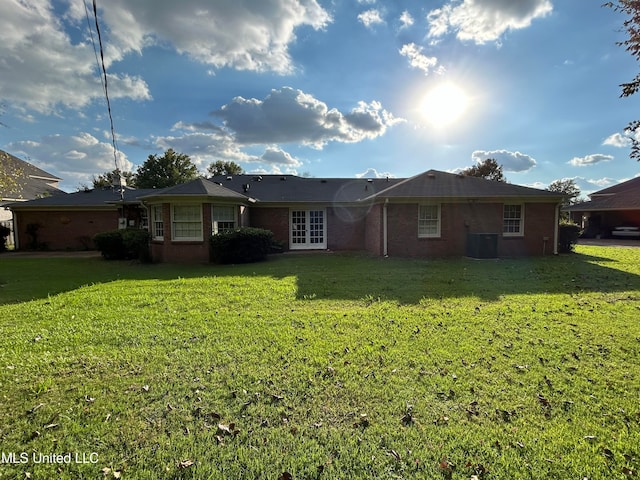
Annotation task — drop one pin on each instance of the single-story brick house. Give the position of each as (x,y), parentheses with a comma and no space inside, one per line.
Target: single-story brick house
(432,214)
(613,211)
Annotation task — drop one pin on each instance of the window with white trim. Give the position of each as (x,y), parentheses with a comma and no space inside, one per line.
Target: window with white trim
(429,221)
(186,222)
(223,218)
(157,225)
(513,220)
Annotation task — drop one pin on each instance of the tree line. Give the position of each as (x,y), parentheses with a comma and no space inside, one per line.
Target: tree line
(171,168)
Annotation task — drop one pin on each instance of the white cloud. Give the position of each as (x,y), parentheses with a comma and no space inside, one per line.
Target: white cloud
(510,161)
(371,18)
(603,182)
(48,60)
(592,159)
(277,156)
(292,116)
(247,35)
(617,140)
(487,20)
(418,60)
(406,20)
(42,68)
(75,159)
(373,173)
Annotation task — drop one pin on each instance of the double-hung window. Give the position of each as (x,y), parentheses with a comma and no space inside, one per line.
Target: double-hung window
(429,221)
(157,225)
(223,218)
(186,222)
(513,220)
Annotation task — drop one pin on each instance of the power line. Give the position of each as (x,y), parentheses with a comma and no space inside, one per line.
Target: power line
(103,77)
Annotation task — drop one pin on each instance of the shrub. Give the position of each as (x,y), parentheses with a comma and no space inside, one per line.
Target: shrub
(124,244)
(568,235)
(244,245)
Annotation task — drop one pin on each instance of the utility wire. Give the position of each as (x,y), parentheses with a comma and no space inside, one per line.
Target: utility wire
(103,79)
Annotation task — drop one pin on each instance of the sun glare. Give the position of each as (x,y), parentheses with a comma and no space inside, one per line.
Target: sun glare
(444,104)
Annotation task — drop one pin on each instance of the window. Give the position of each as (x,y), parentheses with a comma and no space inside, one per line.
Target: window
(512,224)
(157,228)
(223,218)
(187,222)
(144,219)
(429,221)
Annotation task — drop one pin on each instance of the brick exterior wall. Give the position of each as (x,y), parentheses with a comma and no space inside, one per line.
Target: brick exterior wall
(275,219)
(346,228)
(459,219)
(64,229)
(171,251)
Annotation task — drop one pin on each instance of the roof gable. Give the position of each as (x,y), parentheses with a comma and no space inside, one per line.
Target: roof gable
(32,181)
(199,187)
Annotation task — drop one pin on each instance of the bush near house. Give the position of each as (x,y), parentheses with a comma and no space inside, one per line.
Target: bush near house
(244,245)
(127,244)
(568,235)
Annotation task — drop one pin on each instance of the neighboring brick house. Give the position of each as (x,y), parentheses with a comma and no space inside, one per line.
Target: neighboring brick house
(27,182)
(432,214)
(613,211)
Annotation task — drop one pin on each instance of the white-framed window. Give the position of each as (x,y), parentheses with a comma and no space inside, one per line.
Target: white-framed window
(144,219)
(223,218)
(157,225)
(513,220)
(186,222)
(429,221)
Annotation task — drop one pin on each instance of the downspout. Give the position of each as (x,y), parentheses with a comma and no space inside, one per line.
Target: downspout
(556,229)
(385,251)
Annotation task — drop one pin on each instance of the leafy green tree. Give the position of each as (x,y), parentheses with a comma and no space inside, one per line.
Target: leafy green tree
(166,171)
(489,169)
(631,8)
(224,168)
(567,187)
(107,179)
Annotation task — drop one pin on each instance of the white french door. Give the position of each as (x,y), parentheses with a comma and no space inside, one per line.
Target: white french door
(308,229)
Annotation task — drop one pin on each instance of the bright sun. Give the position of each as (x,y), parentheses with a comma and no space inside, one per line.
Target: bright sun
(444,104)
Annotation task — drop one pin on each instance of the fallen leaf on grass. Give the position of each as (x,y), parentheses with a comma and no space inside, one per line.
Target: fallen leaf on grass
(185,464)
(33,410)
(285,476)
(394,454)
(629,472)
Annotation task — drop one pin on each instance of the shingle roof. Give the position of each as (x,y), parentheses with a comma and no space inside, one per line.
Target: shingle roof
(291,188)
(96,198)
(32,181)
(198,188)
(437,184)
(623,196)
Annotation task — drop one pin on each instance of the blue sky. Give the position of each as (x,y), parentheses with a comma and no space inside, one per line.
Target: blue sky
(327,88)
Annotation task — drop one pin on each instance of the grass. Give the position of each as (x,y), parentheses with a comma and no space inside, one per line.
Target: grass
(322,366)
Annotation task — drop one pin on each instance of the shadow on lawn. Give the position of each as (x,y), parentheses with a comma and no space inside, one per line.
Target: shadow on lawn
(408,281)
(342,276)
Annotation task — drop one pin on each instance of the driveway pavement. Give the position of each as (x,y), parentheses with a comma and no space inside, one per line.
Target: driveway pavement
(609,242)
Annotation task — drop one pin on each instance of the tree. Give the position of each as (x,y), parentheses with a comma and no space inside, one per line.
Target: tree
(567,187)
(107,179)
(488,169)
(166,171)
(10,176)
(224,168)
(631,8)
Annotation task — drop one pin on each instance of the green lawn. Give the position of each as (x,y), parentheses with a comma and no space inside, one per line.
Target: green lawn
(322,366)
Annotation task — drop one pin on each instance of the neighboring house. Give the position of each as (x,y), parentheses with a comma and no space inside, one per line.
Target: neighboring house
(27,182)
(609,209)
(432,214)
